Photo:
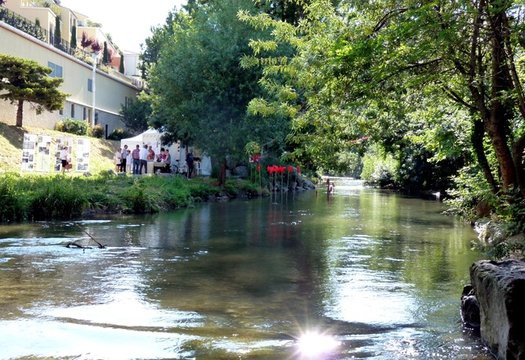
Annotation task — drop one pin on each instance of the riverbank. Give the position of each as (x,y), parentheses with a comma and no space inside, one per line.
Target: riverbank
(57,197)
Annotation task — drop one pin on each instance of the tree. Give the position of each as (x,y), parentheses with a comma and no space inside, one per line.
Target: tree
(151,48)
(74,37)
(200,92)
(469,50)
(105,54)
(57,32)
(137,112)
(25,80)
(121,65)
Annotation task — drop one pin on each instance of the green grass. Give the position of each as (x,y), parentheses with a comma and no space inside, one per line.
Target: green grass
(62,197)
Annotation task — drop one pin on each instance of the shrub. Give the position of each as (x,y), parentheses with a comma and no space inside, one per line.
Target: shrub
(77,127)
(97,131)
(59,126)
(379,170)
(56,198)
(119,134)
(470,191)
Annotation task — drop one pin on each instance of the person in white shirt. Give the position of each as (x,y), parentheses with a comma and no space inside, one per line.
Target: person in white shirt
(63,158)
(123,159)
(129,161)
(144,159)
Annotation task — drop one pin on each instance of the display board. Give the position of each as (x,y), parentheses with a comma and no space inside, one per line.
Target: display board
(43,153)
(28,152)
(82,150)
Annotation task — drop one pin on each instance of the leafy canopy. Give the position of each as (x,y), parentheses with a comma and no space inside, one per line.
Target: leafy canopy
(199,91)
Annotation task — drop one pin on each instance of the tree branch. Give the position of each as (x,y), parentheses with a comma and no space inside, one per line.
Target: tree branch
(457,98)
(389,15)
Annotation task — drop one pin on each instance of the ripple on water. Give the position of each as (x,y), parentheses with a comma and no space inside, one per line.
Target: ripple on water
(67,339)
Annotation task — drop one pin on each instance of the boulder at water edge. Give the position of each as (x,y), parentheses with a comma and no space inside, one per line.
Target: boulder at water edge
(470,308)
(500,291)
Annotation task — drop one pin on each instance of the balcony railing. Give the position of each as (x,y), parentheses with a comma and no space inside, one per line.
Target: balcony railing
(23,24)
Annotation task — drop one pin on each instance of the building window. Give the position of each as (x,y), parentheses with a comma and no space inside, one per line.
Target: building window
(72,111)
(127,102)
(84,115)
(56,70)
(90,85)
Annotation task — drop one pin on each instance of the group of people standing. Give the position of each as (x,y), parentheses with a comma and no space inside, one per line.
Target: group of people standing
(136,161)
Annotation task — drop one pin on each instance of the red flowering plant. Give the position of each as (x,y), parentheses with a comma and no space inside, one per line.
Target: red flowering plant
(95,47)
(85,42)
(253,150)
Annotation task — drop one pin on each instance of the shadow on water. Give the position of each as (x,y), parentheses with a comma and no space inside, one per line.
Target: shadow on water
(359,275)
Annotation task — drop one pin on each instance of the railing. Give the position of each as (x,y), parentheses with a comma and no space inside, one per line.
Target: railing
(23,24)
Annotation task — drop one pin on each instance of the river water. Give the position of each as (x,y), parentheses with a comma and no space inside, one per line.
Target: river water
(361,274)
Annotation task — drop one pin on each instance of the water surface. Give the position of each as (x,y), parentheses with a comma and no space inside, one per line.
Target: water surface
(362,274)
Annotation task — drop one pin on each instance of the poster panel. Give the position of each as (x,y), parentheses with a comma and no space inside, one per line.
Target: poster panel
(43,153)
(28,152)
(82,150)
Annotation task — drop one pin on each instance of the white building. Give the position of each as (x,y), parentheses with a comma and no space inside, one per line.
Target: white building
(21,38)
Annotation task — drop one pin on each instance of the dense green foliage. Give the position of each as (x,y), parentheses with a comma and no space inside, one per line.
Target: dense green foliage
(119,134)
(29,198)
(137,112)
(436,85)
(25,80)
(72,126)
(199,91)
(97,131)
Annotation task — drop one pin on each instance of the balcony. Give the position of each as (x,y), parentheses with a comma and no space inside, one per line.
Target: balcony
(23,24)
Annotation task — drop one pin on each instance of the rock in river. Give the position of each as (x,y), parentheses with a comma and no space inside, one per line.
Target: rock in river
(500,291)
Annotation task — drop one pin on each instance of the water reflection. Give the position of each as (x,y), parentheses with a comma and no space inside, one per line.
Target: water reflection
(362,274)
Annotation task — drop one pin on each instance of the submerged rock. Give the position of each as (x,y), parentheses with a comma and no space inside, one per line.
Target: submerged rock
(470,308)
(500,291)
(489,233)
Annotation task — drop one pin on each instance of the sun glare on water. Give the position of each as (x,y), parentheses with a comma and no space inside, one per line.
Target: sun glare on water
(314,345)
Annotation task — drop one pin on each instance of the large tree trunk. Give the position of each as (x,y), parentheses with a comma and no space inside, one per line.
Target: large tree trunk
(497,125)
(477,143)
(20,113)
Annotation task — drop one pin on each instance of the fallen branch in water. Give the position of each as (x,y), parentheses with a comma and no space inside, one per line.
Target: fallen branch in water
(100,246)
(76,245)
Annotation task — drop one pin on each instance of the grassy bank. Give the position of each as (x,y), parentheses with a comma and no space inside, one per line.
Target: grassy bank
(12,137)
(30,198)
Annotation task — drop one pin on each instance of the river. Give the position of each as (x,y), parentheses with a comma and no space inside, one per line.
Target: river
(360,274)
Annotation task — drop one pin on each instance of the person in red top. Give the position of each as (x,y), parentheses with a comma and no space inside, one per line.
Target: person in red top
(135,155)
(151,154)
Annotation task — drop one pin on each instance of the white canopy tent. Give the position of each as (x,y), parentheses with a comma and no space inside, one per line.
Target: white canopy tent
(153,138)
